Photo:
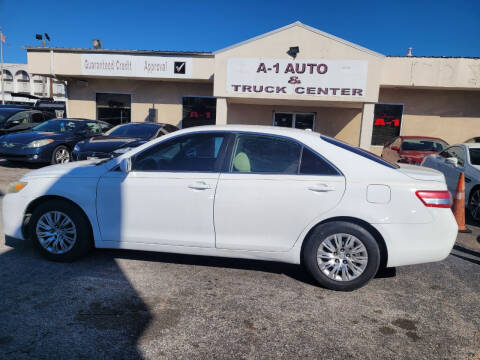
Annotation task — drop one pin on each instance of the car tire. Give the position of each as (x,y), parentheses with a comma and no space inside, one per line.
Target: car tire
(474,205)
(61,155)
(60,231)
(341,256)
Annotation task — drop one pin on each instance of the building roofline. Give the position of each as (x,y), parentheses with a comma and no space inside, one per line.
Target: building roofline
(118,51)
(434,57)
(302,25)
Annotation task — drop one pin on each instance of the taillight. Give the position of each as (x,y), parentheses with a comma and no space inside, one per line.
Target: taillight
(434,198)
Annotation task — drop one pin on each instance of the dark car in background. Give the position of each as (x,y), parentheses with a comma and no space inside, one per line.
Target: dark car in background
(412,149)
(120,139)
(49,142)
(15,119)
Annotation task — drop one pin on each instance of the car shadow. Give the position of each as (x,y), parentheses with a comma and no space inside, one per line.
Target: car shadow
(19,164)
(466,254)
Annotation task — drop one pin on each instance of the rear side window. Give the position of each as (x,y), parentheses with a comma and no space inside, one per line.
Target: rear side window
(312,164)
(361,152)
(265,154)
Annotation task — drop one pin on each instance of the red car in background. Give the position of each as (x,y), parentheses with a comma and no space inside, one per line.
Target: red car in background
(412,149)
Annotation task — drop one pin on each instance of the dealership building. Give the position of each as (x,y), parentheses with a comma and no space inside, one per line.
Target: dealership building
(295,76)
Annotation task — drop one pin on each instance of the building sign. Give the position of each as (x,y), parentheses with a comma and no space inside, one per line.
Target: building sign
(386,123)
(136,66)
(300,77)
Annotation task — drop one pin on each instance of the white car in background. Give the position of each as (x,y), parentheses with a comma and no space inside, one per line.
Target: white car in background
(457,159)
(254,192)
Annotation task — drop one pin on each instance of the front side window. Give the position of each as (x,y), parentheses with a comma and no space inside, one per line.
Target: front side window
(474,156)
(189,153)
(459,154)
(265,154)
(387,121)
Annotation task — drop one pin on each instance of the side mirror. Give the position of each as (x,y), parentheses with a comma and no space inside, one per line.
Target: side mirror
(395,148)
(126,165)
(452,161)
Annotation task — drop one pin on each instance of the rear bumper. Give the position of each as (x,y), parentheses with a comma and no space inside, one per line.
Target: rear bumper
(409,244)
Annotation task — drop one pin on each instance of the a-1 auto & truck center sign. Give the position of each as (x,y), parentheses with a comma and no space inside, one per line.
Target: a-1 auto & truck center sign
(302,78)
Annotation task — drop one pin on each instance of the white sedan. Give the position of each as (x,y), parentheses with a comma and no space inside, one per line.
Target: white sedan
(252,192)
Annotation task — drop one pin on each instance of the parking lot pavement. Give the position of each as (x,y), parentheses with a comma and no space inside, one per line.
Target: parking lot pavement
(130,304)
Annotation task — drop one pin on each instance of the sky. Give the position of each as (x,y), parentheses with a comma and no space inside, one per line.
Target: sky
(431,28)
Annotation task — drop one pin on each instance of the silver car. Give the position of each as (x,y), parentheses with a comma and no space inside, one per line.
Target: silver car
(457,159)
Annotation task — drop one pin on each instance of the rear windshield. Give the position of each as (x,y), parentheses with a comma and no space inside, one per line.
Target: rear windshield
(361,152)
(423,145)
(474,156)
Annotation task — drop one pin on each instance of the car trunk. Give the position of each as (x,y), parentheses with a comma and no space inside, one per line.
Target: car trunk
(421,173)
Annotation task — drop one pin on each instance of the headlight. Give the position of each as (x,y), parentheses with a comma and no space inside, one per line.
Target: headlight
(39,143)
(122,150)
(16,186)
(76,148)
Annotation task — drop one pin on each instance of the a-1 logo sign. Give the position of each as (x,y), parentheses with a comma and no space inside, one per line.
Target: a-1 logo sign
(286,77)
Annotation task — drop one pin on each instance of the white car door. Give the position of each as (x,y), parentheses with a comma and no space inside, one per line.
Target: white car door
(167,198)
(274,189)
(452,171)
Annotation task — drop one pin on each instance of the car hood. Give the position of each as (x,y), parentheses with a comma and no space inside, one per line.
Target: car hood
(78,169)
(108,143)
(27,137)
(421,173)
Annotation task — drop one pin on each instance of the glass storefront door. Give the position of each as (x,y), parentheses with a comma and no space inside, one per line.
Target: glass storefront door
(114,108)
(295,120)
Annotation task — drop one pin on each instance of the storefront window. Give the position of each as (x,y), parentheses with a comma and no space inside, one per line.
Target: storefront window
(198,111)
(114,108)
(387,121)
(295,120)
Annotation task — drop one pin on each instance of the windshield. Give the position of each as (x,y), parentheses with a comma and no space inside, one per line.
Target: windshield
(143,131)
(474,156)
(6,113)
(423,145)
(59,126)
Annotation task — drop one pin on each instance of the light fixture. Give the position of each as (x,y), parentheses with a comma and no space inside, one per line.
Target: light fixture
(293,51)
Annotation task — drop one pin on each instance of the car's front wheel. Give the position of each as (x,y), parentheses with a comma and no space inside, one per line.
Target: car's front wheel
(60,231)
(341,255)
(474,205)
(61,155)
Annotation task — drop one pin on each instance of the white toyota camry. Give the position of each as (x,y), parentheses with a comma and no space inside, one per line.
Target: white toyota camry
(241,191)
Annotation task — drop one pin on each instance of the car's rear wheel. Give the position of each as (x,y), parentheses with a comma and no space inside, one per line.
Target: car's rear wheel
(61,155)
(474,205)
(60,231)
(341,255)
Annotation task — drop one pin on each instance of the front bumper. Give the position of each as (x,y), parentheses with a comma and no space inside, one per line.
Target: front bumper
(78,156)
(13,210)
(40,155)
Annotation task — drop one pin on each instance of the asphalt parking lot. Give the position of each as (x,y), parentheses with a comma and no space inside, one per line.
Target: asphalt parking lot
(140,305)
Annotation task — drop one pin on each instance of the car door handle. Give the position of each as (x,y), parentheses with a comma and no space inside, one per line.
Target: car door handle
(199,185)
(321,188)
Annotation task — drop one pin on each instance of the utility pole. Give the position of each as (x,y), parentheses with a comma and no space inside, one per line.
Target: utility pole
(1,66)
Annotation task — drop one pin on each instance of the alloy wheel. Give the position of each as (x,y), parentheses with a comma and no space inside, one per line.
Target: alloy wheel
(474,205)
(342,257)
(62,156)
(56,232)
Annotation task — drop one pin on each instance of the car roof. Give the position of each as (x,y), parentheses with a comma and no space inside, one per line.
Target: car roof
(470,145)
(276,130)
(421,137)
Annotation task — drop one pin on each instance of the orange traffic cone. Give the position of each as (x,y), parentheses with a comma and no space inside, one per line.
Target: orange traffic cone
(459,205)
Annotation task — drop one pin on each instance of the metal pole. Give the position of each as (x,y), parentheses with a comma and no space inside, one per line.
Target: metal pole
(1,65)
